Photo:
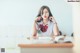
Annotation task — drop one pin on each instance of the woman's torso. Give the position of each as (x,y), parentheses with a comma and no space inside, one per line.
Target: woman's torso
(44,30)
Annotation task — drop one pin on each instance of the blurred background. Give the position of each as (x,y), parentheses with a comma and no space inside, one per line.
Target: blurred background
(17,17)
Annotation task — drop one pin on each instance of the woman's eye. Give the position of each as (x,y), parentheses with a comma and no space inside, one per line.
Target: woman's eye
(45,12)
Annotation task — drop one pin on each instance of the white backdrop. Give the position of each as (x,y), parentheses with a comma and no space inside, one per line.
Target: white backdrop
(17,16)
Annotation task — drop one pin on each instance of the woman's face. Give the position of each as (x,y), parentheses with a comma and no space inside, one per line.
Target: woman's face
(45,14)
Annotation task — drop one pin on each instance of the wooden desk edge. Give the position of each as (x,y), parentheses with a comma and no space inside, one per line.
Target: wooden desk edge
(59,45)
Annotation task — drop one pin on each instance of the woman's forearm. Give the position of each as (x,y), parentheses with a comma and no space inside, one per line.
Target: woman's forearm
(56,30)
(34,31)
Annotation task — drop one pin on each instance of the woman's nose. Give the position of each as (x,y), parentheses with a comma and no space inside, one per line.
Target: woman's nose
(44,14)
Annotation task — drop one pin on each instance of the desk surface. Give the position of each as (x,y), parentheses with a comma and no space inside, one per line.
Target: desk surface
(57,45)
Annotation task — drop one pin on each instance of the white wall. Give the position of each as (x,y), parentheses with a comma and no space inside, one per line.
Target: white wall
(16,16)
(16,19)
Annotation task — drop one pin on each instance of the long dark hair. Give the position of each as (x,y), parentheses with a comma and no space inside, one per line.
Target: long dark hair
(41,12)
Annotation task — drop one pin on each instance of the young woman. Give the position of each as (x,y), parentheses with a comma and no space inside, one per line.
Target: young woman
(45,24)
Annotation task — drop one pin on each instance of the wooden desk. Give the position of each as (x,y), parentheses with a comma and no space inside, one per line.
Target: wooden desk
(46,48)
(60,45)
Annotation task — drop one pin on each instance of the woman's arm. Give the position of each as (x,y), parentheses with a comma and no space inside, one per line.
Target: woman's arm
(35,28)
(55,27)
(34,31)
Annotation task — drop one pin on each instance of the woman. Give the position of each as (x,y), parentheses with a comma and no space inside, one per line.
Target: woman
(45,24)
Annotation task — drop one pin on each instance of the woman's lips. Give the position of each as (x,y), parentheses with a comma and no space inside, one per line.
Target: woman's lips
(44,16)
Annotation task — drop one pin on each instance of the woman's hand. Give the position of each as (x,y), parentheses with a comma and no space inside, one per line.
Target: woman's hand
(53,37)
(35,37)
(37,19)
(53,20)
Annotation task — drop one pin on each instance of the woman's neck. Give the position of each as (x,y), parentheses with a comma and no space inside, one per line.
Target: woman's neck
(45,21)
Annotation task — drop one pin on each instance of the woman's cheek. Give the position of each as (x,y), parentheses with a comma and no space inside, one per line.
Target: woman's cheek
(47,14)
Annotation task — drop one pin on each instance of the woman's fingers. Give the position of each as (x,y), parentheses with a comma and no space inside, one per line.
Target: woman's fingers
(38,19)
(52,19)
